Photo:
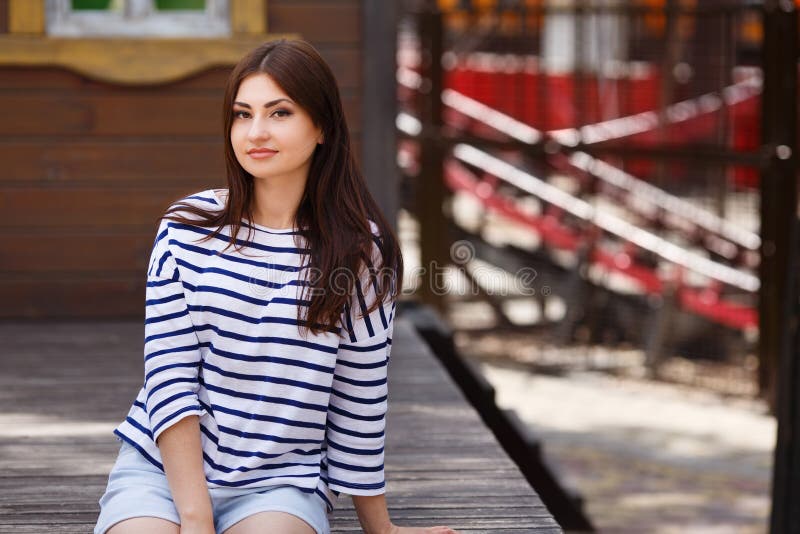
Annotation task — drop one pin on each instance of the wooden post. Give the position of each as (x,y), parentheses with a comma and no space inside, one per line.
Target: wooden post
(661,326)
(778,182)
(379,104)
(672,55)
(578,293)
(778,298)
(430,187)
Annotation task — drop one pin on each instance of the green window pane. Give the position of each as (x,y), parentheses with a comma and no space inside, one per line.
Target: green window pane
(173,5)
(91,4)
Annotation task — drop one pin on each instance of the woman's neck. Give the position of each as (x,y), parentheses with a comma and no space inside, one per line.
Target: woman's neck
(275,202)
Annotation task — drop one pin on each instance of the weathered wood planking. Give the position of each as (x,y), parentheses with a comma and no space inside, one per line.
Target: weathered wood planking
(344,60)
(68,295)
(3,16)
(102,162)
(126,253)
(121,208)
(322,22)
(83,157)
(130,113)
(106,163)
(65,386)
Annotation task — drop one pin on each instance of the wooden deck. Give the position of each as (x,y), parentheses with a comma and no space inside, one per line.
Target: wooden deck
(65,386)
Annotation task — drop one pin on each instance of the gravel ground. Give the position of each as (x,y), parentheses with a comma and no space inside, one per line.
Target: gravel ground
(648,456)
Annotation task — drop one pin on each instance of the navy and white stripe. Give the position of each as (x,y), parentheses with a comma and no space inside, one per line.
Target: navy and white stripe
(222,343)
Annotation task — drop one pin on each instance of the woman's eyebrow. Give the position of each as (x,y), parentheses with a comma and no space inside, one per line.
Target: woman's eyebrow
(267,105)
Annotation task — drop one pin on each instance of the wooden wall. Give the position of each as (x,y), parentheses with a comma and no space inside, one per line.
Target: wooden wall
(87,167)
(3,16)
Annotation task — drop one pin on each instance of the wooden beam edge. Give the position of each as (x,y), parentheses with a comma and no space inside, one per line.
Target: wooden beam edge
(129,61)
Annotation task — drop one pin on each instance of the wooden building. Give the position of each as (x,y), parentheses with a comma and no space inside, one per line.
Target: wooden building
(104,124)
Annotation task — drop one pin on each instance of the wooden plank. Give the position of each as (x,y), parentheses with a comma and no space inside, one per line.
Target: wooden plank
(127,60)
(346,64)
(145,113)
(344,61)
(39,78)
(521,520)
(59,252)
(190,164)
(91,295)
(90,207)
(3,16)
(66,528)
(178,162)
(50,113)
(524,513)
(56,464)
(320,22)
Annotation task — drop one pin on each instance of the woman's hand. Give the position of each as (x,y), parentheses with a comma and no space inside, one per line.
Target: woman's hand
(374,518)
(421,530)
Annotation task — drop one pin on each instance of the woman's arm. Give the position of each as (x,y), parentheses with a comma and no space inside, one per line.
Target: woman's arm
(372,514)
(181,451)
(172,360)
(357,410)
(374,518)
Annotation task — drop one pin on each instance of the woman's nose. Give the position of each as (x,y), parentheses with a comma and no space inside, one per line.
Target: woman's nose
(258,129)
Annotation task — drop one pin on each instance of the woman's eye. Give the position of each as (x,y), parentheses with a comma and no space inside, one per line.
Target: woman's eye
(281,113)
(240,114)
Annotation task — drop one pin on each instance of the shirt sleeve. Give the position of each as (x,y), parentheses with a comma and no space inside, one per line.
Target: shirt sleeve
(355,432)
(171,347)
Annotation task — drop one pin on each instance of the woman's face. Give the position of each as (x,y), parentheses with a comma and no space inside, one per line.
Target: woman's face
(272,137)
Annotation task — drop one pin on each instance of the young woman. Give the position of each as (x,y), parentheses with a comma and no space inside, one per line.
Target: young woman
(269,315)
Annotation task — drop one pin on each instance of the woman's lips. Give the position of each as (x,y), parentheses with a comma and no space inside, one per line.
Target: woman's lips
(261,153)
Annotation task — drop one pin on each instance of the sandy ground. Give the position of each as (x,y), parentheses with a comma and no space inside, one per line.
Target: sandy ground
(648,456)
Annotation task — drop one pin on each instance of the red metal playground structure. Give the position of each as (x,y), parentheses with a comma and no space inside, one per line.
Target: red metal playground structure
(656,241)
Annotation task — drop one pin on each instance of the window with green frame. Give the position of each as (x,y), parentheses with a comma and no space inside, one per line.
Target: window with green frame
(175,5)
(117,5)
(96,5)
(138,18)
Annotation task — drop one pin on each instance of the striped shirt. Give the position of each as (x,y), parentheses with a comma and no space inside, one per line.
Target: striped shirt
(222,342)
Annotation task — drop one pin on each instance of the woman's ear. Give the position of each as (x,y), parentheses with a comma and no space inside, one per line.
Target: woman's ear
(321,139)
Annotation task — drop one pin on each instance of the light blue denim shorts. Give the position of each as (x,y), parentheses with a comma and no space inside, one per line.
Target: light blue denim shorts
(137,488)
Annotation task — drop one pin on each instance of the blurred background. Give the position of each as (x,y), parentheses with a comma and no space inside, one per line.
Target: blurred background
(599,197)
(597,184)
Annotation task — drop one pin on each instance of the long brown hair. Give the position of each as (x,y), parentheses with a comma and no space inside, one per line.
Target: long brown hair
(336,208)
